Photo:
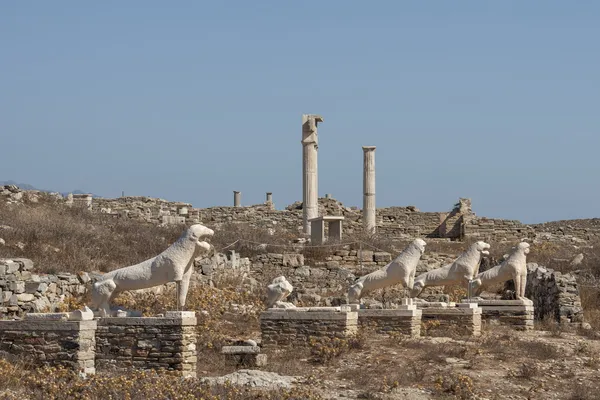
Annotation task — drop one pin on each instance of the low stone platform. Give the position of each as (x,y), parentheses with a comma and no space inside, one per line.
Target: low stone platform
(295,326)
(167,342)
(406,319)
(450,319)
(517,314)
(53,341)
(244,356)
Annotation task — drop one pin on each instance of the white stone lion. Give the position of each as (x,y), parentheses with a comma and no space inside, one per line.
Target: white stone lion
(400,270)
(277,292)
(175,264)
(513,267)
(460,272)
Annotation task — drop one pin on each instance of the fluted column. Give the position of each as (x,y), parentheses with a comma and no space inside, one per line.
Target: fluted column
(237,198)
(369,210)
(310,188)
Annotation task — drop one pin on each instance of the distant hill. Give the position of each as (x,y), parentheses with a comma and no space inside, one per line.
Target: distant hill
(26,186)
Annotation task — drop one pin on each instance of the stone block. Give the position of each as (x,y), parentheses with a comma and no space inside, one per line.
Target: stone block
(240,350)
(17,286)
(365,255)
(382,256)
(403,321)
(517,314)
(293,260)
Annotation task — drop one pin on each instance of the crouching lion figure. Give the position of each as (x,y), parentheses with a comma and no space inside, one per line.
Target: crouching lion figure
(513,267)
(400,270)
(175,264)
(460,272)
(277,292)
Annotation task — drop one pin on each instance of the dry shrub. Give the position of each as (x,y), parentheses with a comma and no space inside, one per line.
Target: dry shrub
(324,349)
(221,313)
(555,328)
(61,383)
(64,239)
(551,255)
(527,370)
(290,361)
(459,385)
(539,350)
(456,293)
(587,391)
(590,302)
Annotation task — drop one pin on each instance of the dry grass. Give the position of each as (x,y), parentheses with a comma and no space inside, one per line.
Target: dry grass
(18,382)
(62,239)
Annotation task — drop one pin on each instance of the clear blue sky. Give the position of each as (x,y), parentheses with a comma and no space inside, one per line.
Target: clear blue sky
(190,100)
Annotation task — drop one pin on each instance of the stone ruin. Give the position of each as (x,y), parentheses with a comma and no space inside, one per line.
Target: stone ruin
(117,340)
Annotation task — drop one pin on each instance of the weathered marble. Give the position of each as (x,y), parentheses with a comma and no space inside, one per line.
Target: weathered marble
(460,272)
(369,213)
(175,264)
(400,271)
(513,267)
(277,292)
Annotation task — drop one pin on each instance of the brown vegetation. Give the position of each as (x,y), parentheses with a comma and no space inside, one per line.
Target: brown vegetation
(62,239)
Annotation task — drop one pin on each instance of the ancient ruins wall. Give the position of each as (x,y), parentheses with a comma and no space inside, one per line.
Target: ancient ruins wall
(554,295)
(294,327)
(70,344)
(21,290)
(148,343)
(497,230)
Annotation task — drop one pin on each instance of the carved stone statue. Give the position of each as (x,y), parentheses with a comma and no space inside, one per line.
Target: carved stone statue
(277,292)
(460,272)
(513,267)
(175,264)
(400,271)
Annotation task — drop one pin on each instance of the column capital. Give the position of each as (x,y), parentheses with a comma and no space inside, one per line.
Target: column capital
(369,148)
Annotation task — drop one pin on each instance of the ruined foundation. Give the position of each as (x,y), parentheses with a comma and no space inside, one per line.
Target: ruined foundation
(148,343)
(450,319)
(295,326)
(69,344)
(517,314)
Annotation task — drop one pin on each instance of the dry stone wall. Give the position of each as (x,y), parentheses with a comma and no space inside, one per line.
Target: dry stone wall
(147,343)
(22,290)
(70,344)
(397,222)
(295,327)
(554,295)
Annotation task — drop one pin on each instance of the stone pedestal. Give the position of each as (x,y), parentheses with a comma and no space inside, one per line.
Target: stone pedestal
(317,235)
(295,326)
(51,342)
(167,342)
(517,314)
(450,319)
(405,320)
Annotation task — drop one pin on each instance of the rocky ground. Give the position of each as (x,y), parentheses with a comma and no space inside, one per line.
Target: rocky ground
(501,364)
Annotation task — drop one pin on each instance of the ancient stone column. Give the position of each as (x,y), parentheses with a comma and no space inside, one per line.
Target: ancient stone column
(270,197)
(310,205)
(237,198)
(369,211)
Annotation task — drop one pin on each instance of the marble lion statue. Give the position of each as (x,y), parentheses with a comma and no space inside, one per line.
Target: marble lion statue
(460,272)
(400,270)
(513,267)
(277,292)
(175,264)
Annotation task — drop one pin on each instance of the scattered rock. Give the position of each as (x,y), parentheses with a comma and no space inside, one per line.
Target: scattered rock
(254,379)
